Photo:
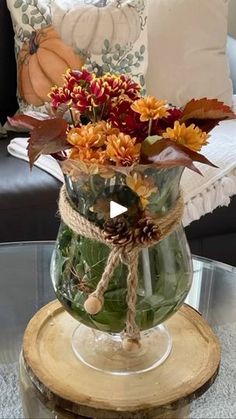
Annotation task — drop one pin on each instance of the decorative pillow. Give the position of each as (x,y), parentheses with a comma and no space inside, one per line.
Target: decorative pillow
(52,35)
(186,44)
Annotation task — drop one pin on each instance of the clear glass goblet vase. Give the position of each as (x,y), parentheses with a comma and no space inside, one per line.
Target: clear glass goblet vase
(164,268)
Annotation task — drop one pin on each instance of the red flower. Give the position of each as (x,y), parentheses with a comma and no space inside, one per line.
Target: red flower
(160,125)
(113,83)
(120,86)
(130,87)
(128,121)
(82,100)
(59,95)
(174,115)
(77,78)
(99,91)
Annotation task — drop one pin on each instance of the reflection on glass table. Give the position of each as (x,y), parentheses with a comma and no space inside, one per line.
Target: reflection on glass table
(26,286)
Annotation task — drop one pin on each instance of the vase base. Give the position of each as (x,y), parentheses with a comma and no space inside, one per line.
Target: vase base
(104,352)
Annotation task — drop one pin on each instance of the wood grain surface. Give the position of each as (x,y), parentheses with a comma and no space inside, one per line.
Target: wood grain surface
(160,393)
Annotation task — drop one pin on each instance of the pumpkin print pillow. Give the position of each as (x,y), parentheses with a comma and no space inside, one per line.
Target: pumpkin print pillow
(53,35)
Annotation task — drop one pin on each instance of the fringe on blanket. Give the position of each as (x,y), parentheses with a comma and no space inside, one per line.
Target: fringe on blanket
(217,195)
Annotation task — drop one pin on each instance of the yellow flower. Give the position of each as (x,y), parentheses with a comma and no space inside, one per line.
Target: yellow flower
(142,186)
(88,155)
(191,137)
(72,169)
(79,170)
(122,149)
(91,135)
(107,128)
(150,108)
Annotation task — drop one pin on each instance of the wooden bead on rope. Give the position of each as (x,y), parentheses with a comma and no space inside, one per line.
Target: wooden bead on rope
(93,305)
(131,345)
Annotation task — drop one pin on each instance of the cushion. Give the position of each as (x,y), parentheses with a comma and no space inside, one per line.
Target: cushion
(102,35)
(187,43)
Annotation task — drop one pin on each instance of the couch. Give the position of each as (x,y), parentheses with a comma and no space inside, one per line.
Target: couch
(28,201)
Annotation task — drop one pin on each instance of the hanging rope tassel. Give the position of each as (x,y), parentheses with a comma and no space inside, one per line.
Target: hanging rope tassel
(94,302)
(131,335)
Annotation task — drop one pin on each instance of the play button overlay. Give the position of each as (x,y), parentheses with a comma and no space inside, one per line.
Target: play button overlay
(114,201)
(116,209)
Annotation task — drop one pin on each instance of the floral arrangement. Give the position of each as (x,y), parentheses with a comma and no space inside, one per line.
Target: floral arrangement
(103,125)
(112,124)
(113,143)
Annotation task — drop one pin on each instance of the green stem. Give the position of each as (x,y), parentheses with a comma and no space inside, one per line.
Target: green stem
(94,114)
(70,256)
(92,185)
(103,109)
(72,118)
(149,127)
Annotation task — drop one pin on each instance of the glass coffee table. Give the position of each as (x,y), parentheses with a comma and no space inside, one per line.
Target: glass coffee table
(26,287)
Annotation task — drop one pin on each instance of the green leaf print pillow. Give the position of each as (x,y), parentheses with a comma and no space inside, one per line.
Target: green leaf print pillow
(51,36)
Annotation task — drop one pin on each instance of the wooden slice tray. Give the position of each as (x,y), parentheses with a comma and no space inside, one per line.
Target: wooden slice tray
(189,370)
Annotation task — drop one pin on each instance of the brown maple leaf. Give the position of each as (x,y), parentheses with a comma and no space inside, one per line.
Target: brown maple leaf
(167,153)
(48,137)
(206,113)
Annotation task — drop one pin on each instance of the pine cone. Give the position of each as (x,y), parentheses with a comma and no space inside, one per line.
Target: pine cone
(116,231)
(147,231)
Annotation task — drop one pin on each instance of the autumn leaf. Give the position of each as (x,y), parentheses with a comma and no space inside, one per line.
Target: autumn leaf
(167,153)
(24,121)
(48,137)
(206,113)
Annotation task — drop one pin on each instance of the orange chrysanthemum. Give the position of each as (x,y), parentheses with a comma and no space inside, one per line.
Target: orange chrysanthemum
(142,186)
(150,108)
(191,137)
(91,135)
(107,128)
(122,149)
(87,155)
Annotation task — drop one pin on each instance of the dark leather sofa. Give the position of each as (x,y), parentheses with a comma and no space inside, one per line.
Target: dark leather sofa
(28,201)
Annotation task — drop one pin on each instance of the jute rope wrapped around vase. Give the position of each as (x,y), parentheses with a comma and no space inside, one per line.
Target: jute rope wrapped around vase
(127,254)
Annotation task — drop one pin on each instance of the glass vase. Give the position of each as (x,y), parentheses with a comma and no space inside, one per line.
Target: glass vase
(145,195)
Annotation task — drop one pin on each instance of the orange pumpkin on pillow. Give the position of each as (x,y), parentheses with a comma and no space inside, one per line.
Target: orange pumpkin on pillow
(41,62)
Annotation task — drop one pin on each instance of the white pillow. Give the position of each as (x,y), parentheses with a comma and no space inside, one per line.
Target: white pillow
(187,43)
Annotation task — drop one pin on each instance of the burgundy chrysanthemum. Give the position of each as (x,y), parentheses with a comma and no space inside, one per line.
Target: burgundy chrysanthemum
(77,78)
(59,96)
(124,118)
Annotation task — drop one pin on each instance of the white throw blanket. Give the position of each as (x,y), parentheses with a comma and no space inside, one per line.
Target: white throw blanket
(18,148)
(202,194)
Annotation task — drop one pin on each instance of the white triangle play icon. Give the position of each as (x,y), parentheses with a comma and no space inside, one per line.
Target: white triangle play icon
(116,209)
